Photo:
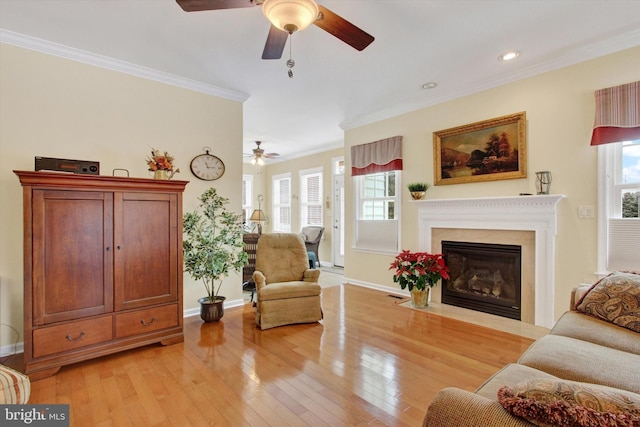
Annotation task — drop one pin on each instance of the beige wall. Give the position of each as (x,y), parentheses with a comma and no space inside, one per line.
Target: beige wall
(560,111)
(55,107)
(262,178)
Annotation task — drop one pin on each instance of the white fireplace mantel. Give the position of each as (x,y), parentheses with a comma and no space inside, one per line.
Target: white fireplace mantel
(525,213)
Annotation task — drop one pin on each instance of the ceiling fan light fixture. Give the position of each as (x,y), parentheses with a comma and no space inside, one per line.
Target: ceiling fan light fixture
(290,15)
(257,161)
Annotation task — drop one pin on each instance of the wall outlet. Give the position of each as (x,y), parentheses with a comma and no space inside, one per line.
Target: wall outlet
(585,212)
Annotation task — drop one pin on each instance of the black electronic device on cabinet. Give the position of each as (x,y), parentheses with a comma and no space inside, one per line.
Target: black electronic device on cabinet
(67,165)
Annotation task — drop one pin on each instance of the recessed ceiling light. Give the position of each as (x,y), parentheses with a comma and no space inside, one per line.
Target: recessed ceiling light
(429,85)
(508,56)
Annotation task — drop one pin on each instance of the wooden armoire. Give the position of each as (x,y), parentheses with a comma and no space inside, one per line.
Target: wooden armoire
(102,266)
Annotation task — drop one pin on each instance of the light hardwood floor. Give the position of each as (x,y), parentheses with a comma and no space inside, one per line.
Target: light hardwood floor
(369,362)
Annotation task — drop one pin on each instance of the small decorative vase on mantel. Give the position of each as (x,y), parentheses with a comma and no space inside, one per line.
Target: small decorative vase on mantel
(420,298)
(418,195)
(418,190)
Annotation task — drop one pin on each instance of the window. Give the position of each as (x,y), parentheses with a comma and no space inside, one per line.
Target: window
(378,196)
(627,189)
(619,225)
(281,204)
(247,197)
(311,197)
(377,211)
(376,168)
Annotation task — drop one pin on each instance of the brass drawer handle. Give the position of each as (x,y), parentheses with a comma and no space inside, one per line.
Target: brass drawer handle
(144,323)
(82,334)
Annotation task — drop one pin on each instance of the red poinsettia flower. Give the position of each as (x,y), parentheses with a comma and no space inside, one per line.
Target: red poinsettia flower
(418,269)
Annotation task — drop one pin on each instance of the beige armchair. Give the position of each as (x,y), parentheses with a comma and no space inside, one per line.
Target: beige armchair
(287,290)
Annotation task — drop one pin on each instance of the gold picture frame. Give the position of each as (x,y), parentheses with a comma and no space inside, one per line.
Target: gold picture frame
(489,150)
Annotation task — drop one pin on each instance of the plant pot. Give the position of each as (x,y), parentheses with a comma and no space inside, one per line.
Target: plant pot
(420,299)
(211,311)
(418,195)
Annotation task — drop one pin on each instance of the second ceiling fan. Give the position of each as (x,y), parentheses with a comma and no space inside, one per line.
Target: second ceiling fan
(259,155)
(288,16)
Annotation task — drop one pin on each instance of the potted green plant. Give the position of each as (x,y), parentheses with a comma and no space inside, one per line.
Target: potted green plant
(213,247)
(418,190)
(419,271)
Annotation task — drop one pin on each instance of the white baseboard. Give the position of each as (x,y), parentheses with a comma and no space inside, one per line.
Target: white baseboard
(11,349)
(378,287)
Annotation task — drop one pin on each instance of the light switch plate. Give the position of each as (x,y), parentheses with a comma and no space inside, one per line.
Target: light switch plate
(585,212)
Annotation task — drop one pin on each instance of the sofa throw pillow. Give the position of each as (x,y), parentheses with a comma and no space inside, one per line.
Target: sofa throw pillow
(616,299)
(551,402)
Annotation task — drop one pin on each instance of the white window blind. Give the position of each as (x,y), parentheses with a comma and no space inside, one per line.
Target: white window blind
(624,244)
(282,203)
(311,197)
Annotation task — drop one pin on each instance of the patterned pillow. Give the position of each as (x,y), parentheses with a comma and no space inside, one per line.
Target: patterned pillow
(616,299)
(551,402)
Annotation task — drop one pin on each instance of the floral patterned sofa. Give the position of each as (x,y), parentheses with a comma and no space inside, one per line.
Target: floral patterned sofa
(585,372)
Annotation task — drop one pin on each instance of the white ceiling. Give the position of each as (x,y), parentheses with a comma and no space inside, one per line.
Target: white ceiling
(452,42)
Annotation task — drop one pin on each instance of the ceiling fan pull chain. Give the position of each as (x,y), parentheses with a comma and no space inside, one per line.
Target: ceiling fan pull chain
(290,62)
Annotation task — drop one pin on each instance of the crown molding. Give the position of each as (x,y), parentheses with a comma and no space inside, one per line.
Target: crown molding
(62,51)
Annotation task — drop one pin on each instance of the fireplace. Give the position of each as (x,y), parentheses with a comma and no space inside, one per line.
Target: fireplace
(493,215)
(484,277)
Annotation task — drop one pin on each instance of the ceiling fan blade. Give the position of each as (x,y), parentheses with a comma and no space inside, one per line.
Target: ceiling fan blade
(198,5)
(276,40)
(343,29)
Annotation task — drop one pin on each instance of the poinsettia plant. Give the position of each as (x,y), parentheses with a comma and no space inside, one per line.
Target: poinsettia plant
(418,269)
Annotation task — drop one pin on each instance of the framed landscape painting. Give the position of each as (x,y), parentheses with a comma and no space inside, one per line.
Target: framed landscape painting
(489,150)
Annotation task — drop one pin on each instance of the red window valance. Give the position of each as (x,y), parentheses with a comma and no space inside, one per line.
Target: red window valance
(617,114)
(380,156)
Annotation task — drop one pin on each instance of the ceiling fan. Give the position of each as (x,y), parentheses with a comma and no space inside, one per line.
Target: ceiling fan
(259,155)
(288,16)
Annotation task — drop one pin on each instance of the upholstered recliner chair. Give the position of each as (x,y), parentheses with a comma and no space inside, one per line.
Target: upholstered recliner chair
(312,236)
(288,291)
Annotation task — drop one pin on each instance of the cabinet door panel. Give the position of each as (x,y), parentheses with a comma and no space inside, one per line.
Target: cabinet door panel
(146,255)
(72,263)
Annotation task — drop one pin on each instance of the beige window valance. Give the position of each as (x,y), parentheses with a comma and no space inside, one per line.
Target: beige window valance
(378,156)
(617,114)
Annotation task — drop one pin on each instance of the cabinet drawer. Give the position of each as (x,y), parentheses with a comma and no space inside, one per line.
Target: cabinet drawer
(148,320)
(70,336)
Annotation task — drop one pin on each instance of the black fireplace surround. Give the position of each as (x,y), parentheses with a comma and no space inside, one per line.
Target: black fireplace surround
(484,277)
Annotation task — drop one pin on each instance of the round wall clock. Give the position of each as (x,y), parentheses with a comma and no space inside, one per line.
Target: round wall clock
(207,166)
